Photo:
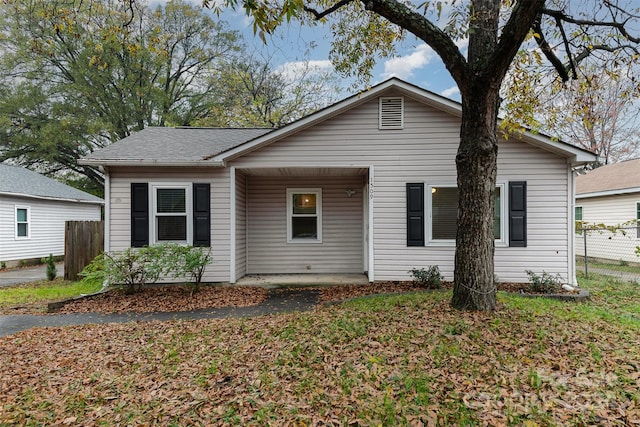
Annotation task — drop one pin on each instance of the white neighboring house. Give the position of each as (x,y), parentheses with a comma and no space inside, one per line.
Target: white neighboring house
(610,195)
(33,211)
(367,185)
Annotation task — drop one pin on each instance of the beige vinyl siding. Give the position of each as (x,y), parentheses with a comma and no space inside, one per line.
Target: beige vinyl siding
(609,210)
(424,151)
(241,225)
(341,247)
(47,222)
(121,179)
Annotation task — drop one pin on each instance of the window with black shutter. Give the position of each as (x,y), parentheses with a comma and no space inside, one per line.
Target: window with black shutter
(166,212)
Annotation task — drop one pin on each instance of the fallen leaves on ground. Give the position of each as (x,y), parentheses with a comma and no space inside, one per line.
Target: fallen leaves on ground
(343,292)
(173,298)
(397,360)
(166,299)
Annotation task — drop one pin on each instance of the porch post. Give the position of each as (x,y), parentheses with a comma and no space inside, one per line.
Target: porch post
(232,224)
(371,228)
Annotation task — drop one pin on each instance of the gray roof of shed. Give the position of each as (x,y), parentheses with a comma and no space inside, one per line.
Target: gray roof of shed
(174,145)
(24,182)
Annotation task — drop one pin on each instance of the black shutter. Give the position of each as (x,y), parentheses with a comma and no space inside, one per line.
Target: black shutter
(139,215)
(415,214)
(201,215)
(518,214)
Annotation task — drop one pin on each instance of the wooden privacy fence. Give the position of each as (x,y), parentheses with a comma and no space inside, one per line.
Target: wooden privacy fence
(83,241)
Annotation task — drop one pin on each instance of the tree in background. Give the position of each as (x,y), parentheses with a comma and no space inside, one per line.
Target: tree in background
(601,116)
(81,74)
(254,93)
(564,33)
(78,75)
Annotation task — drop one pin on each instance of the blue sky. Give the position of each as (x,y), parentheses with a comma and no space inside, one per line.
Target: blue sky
(415,61)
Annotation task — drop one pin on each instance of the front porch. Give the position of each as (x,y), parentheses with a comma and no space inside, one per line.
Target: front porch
(295,225)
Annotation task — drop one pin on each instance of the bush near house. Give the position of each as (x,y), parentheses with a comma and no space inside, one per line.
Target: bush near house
(429,278)
(133,268)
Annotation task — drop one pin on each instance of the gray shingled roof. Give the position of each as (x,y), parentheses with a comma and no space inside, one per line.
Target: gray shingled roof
(18,180)
(163,144)
(616,176)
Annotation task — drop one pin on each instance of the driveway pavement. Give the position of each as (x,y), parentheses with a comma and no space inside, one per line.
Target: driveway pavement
(279,301)
(15,276)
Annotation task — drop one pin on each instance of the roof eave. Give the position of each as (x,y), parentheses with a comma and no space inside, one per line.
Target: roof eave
(614,192)
(576,156)
(147,162)
(59,199)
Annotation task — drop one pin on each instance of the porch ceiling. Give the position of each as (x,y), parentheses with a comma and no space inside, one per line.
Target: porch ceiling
(302,171)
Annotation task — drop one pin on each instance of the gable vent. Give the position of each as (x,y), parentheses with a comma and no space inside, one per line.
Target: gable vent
(391,113)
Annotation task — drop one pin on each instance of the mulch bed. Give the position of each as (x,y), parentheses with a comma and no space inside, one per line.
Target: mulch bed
(182,298)
(167,298)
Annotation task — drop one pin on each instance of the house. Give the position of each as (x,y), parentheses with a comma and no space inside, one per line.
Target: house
(367,185)
(33,211)
(610,196)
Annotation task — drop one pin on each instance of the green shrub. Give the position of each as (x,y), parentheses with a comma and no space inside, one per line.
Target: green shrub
(52,272)
(135,267)
(94,272)
(544,283)
(131,269)
(429,278)
(3,265)
(188,262)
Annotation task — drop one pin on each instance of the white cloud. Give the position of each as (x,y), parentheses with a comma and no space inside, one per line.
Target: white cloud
(294,70)
(453,92)
(403,66)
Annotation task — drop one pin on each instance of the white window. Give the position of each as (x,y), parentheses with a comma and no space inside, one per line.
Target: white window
(172,219)
(443,214)
(23,222)
(304,215)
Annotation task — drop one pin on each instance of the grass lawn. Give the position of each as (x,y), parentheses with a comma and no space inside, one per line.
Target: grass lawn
(38,294)
(395,360)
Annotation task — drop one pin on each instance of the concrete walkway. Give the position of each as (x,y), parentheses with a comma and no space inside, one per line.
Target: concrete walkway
(16,276)
(279,301)
(627,276)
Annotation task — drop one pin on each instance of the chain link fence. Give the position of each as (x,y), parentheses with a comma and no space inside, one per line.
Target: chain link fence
(612,251)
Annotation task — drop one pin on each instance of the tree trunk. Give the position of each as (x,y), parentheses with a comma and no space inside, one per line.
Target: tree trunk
(476,163)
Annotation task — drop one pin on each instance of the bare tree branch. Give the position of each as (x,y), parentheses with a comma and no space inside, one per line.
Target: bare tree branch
(319,15)
(619,26)
(547,50)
